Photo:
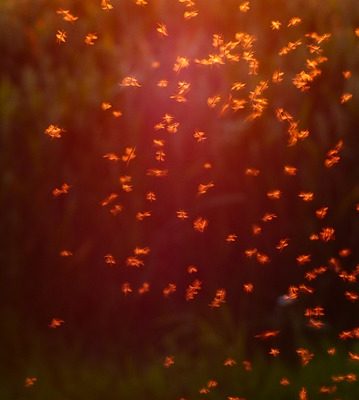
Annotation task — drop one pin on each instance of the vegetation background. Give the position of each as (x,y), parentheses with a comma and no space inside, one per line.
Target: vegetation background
(112,346)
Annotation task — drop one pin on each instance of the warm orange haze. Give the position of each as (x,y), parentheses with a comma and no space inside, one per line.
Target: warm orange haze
(181,199)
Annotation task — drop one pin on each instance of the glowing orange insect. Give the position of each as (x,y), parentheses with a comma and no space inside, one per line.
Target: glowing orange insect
(181,63)
(303,259)
(193,289)
(275,25)
(294,21)
(191,269)
(169,289)
(130,81)
(306,196)
(64,189)
(284,381)
(30,381)
(203,188)
(305,356)
(111,157)
(327,234)
(54,131)
(232,237)
(116,209)
(162,29)
(229,362)
(267,335)
(134,261)
(351,296)
(169,361)
(106,5)
(247,365)
(274,352)
(303,394)
(277,76)
(90,39)
(328,389)
(248,287)
(129,155)
(213,101)
(200,224)
(110,260)
(157,172)
(151,196)
(321,212)
(267,217)
(190,14)
(141,215)
(66,253)
(126,288)
(145,288)
(66,15)
(199,136)
(110,198)
(283,243)
(244,7)
(219,298)
(274,194)
(353,356)
(181,214)
(347,74)
(141,251)
(345,97)
(252,172)
(61,36)
(56,323)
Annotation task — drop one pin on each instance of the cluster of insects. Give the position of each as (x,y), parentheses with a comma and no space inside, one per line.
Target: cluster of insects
(250,98)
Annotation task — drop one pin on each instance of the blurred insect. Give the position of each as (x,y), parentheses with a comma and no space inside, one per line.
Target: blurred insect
(267,335)
(190,14)
(169,361)
(305,355)
(294,21)
(181,214)
(169,289)
(130,81)
(274,352)
(129,155)
(66,253)
(275,25)
(193,289)
(64,189)
(144,288)
(345,97)
(90,39)
(61,36)
(126,288)
(110,260)
(162,29)
(248,287)
(200,224)
(284,381)
(30,381)
(244,7)
(106,5)
(229,362)
(66,15)
(219,298)
(56,323)
(303,394)
(54,131)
